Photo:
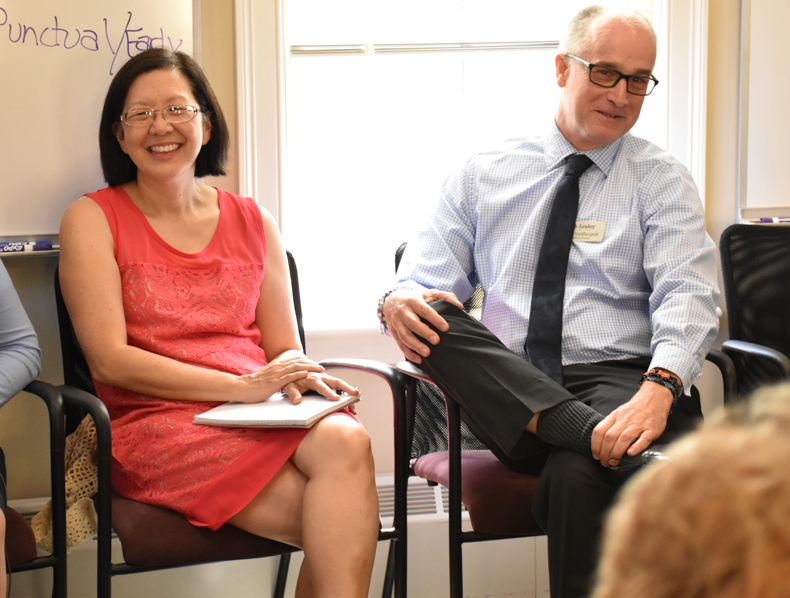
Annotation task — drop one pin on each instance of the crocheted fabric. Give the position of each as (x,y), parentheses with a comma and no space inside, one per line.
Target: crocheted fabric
(81,483)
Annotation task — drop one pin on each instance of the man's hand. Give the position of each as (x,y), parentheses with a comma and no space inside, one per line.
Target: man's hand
(632,426)
(402,312)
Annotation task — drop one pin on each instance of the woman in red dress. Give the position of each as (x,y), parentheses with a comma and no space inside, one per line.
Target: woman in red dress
(180,296)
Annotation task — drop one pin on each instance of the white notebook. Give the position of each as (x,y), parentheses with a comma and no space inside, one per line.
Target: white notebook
(277,411)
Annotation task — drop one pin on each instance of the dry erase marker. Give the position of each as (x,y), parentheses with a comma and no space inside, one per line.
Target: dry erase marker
(781,219)
(25,246)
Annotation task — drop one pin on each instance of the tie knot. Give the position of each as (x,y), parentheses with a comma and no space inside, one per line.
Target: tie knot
(576,164)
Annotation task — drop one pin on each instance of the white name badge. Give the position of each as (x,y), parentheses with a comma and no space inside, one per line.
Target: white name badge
(588,232)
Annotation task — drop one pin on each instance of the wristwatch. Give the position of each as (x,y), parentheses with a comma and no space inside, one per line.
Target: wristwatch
(380,313)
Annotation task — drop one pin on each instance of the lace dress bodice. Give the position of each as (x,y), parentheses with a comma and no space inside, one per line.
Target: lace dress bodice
(198,309)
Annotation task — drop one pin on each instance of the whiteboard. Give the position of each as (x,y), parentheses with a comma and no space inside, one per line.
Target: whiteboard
(57,59)
(763,115)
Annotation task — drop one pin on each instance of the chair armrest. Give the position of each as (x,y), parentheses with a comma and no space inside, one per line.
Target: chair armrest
(719,359)
(410,369)
(397,383)
(101,419)
(96,409)
(761,351)
(57,430)
(453,453)
(394,379)
(727,368)
(54,401)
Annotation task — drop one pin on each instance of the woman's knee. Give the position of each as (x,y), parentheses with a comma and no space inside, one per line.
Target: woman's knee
(342,442)
(352,440)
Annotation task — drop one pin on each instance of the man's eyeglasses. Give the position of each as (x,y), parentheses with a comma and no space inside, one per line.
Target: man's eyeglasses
(172,114)
(638,85)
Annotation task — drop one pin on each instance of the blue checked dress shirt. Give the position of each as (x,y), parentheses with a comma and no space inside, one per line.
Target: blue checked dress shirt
(20,355)
(648,288)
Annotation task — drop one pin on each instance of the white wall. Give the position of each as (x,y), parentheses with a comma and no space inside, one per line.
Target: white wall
(720,188)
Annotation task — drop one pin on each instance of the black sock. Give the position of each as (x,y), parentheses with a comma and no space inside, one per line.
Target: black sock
(569,425)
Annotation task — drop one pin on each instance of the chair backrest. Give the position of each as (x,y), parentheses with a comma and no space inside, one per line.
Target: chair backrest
(428,412)
(296,297)
(75,368)
(755,263)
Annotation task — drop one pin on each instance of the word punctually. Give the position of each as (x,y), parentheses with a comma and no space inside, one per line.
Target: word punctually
(117,42)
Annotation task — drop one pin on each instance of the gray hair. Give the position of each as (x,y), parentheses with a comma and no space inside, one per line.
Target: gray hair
(577,34)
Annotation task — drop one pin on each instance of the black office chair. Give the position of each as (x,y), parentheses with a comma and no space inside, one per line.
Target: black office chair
(20,542)
(755,262)
(154,538)
(444,451)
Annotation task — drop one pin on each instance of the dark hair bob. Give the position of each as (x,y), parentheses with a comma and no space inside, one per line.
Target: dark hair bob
(118,167)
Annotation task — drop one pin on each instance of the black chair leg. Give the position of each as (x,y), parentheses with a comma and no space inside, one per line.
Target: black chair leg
(282,576)
(389,575)
(456,557)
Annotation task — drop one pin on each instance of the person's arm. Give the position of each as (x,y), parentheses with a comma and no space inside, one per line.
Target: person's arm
(437,264)
(679,260)
(20,355)
(276,319)
(91,285)
(680,263)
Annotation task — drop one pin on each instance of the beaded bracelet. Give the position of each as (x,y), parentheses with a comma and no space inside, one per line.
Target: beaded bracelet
(666,380)
(380,313)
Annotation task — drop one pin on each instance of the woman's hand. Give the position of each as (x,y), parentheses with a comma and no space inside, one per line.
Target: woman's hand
(277,374)
(323,384)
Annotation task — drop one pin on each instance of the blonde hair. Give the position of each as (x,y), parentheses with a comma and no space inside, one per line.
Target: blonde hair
(577,33)
(714,519)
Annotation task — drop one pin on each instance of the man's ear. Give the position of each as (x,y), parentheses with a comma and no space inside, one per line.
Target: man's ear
(117,128)
(562,68)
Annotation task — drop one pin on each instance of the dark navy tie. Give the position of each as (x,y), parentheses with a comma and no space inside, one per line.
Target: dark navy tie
(544,338)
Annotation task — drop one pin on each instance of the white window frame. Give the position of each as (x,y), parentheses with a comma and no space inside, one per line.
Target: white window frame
(260,57)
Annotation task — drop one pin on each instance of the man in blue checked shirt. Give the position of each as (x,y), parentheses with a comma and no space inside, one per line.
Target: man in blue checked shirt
(640,292)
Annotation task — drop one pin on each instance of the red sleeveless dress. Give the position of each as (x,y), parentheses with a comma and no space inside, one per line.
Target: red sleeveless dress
(199,309)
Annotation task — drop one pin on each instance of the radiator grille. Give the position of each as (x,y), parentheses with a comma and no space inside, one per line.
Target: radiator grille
(422,499)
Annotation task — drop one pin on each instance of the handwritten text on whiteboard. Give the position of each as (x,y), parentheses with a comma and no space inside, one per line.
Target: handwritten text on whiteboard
(129,40)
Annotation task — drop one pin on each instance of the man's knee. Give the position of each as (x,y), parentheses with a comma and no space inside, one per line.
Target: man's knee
(443,308)
(456,318)
(467,329)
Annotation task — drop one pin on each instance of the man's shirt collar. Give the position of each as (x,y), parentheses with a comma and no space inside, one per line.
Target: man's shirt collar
(557,148)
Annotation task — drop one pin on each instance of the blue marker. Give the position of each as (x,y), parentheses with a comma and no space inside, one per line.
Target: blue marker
(779,220)
(25,246)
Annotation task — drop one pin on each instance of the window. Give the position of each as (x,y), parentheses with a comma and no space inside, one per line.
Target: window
(380,100)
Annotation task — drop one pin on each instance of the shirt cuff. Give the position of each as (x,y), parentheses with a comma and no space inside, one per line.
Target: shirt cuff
(681,363)
(408,285)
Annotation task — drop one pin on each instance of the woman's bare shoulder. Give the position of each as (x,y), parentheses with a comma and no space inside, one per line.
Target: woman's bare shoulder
(82,208)
(84,219)
(266,216)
